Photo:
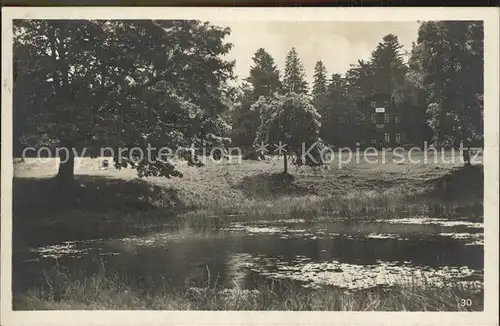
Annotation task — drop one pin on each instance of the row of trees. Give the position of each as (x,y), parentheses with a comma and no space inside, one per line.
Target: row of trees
(88,84)
(438,90)
(336,98)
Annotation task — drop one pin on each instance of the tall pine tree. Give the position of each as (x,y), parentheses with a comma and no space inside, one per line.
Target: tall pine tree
(338,112)
(388,66)
(263,80)
(264,75)
(319,93)
(294,77)
(320,82)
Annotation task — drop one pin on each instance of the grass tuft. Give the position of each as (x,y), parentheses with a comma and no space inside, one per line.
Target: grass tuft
(63,291)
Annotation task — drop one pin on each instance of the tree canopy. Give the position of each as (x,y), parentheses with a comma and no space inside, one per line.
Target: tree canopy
(89,84)
(290,123)
(85,83)
(263,80)
(264,75)
(447,65)
(294,76)
(320,79)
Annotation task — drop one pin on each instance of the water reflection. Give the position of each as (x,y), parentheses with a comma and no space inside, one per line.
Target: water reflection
(343,254)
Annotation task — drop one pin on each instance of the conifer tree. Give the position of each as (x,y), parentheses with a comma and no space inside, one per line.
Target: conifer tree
(294,77)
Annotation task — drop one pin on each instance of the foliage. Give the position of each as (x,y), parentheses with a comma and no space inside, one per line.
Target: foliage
(320,82)
(447,63)
(294,76)
(338,112)
(264,75)
(289,120)
(383,73)
(87,84)
(264,80)
(388,66)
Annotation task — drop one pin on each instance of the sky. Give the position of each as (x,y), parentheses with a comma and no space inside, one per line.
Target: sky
(337,44)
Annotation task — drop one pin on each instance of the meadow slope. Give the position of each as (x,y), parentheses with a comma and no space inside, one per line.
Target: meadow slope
(115,202)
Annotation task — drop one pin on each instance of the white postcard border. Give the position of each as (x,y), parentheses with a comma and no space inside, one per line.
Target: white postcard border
(490,16)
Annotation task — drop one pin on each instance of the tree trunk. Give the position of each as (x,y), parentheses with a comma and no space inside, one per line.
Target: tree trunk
(285,163)
(66,173)
(466,156)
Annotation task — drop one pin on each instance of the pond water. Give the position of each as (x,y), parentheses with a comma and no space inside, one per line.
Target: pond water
(348,255)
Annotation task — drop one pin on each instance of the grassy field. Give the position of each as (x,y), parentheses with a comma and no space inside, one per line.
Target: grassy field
(115,203)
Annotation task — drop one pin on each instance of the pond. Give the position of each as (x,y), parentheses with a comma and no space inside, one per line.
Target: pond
(344,254)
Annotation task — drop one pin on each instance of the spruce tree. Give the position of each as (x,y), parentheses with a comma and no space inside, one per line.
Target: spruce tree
(294,77)
(264,75)
(263,80)
(320,82)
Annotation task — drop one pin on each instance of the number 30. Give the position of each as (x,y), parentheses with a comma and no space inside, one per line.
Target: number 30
(465,302)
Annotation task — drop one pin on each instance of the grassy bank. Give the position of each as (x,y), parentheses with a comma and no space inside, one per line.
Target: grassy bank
(111,203)
(64,291)
(116,203)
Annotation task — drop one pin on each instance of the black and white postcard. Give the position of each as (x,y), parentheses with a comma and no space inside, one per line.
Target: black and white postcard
(245,166)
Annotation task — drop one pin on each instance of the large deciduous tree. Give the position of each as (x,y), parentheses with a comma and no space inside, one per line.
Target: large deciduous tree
(88,84)
(414,94)
(448,62)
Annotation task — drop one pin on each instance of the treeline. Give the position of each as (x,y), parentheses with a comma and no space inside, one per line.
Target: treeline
(438,90)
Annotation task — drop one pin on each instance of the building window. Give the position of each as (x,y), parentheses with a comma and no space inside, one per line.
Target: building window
(373,118)
(374,141)
(373,104)
(396,119)
(386,118)
(398,138)
(387,137)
